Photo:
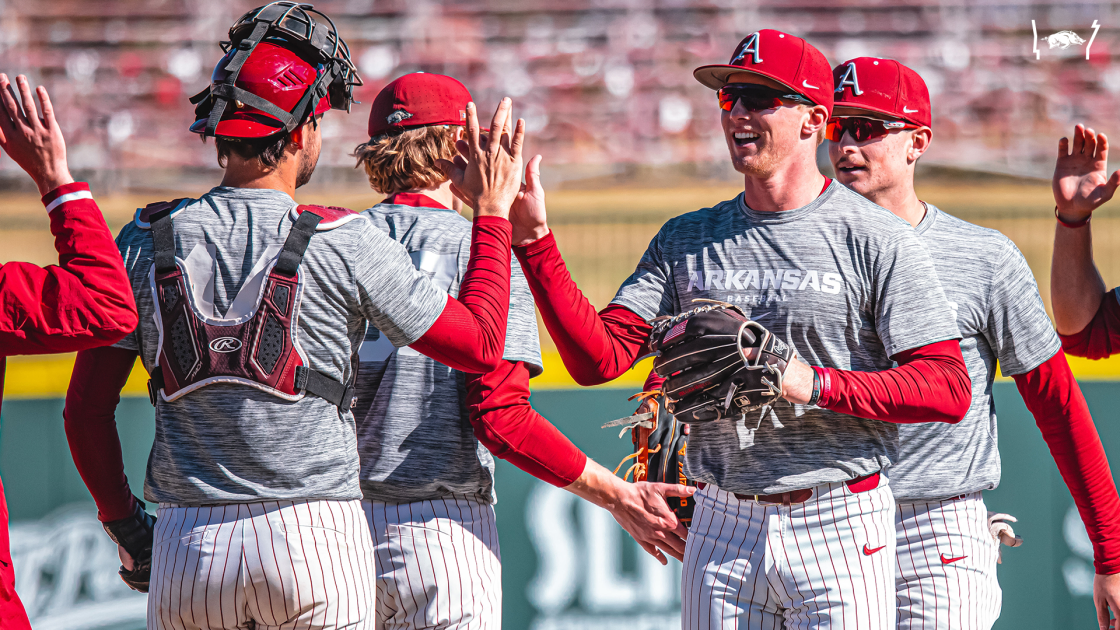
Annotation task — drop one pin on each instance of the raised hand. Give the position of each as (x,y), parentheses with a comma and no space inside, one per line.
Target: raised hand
(528,212)
(1081,182)
(35,143)
(487,174)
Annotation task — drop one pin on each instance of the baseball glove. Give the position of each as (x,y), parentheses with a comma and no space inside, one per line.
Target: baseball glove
(659,443)
(718,363)
(135,533)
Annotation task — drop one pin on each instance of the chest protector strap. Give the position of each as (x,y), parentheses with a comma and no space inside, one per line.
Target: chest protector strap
(260,350)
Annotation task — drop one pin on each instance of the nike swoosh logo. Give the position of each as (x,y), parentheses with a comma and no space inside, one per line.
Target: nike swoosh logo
(867,551)
(805,83)
(905,110)
(945,560)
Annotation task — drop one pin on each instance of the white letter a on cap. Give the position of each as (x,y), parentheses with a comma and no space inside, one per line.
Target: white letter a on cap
(750,46)
(851,79)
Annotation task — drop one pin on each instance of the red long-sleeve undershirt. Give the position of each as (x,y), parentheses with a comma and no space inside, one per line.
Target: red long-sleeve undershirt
(931,384)
(469,335)
(1054,398)
(1101,336)
(508,426)
(83,302)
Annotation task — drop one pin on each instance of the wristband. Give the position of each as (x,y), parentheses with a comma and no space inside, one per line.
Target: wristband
(816,389)
(1068,224)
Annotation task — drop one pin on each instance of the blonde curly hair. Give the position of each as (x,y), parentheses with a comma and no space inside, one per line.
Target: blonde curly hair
(398,162)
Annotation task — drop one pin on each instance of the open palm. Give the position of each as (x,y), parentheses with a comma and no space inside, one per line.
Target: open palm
(1081,182)
(528,215)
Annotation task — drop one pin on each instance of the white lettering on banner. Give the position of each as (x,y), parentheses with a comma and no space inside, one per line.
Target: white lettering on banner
(66,573)
(582,580)
(780,279)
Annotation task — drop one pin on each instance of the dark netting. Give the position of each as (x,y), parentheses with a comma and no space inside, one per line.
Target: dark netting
(271,345)
(280,298)
(182,344)
(170,296)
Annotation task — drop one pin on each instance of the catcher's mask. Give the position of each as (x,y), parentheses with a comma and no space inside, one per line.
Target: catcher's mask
(281,67)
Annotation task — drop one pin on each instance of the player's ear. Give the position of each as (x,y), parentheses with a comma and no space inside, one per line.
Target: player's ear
(295,140)
(919,142)
(815,121)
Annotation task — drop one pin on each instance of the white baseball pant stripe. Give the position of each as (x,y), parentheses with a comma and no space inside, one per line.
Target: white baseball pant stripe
(825,563)
(304,565)
(438,564)
(946,576)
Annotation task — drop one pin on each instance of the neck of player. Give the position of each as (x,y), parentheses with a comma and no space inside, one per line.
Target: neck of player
(793,184)
(902,200)
(440,194)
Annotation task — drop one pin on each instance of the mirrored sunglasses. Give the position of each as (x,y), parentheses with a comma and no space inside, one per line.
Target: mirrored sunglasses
(863,129)
(755,98)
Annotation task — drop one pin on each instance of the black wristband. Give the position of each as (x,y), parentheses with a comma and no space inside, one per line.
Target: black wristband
(816,388)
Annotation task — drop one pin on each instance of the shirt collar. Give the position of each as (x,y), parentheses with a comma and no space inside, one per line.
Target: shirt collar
(416,200)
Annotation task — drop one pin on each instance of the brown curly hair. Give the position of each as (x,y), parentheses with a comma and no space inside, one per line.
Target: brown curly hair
(406,160)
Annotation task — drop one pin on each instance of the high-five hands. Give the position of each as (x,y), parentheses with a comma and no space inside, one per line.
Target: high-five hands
(527,215)
(487,175)
(35,143)
(641,509)
(1081,182)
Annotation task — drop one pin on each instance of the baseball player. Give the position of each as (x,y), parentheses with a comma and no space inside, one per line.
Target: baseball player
(252,310)
(83,302)
(947,542)
(427,434)
(794,524)
(1086,314)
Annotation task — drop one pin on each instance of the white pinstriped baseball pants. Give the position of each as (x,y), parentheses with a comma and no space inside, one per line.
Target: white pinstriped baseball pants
(946,566)
(825,563)
(438,564)
(296,564)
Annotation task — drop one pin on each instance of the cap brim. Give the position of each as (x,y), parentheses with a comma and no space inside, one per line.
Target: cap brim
(716,76)
(875,110)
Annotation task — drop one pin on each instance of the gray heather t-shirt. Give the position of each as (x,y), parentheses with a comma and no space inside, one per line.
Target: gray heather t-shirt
(230,443)
(414,433)
(844,281)
(1001,316)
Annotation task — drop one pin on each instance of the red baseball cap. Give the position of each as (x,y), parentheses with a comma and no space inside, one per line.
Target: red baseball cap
(884,86)
(787,59)
(419,99)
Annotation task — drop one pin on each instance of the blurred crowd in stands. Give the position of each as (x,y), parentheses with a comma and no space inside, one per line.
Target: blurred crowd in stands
(600,82)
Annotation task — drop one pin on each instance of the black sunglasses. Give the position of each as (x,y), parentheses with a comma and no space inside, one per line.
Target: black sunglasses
(755,98)
(862,129)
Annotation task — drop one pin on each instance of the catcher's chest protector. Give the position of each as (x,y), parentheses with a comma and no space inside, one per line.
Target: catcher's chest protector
(259,348)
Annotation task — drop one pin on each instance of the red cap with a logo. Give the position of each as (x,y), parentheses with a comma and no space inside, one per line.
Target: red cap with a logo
(419,99)
(884,86)
(789,60)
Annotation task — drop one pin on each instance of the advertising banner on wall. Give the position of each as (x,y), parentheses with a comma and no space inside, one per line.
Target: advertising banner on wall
(566,565)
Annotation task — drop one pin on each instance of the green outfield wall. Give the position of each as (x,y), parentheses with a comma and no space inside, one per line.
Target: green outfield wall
(566,564)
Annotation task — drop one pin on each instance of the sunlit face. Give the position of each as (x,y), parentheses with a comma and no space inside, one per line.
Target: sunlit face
(760,141)
(878,163)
